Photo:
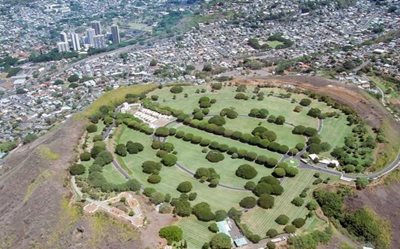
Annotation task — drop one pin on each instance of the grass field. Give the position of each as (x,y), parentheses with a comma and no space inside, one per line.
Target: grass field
(261,220)
(334,130)
(218,198)
(191,156)
(274,44)
(196,232)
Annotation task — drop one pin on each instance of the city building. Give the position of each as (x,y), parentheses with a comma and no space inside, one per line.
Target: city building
(90,37)
(115,34)
(99,41)
(96,26)
(76,44)
(63,37)
(63,47)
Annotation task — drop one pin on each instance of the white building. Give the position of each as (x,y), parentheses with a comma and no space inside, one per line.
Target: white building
(99,41)
(76,44)
(90,37)
(62,47)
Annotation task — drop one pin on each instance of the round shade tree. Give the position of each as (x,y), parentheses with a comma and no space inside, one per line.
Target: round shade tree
(215,156)
(282,219)
(248,202)
(246,171)
(91,128)
(299,222)
(134,148)
(298,201)
(217,120)
(220,215)
(290,229)
(154,179)
(184,187)
(77,169)
(271,233)
(279,172)
(169,160)
(85,156)
(162,132)
(176,89)
(171,234)
(151,167)
(203,211)
(120,149)
(220,241)
(266,201)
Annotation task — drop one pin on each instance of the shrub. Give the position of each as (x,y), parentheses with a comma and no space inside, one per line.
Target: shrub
(290,229)
(217,120)
(282,219)
(85,156)
(148,191)
(134,148)
(291,171)
(220,241)
(120,149)
(184,187)
(165,208)
(203,211)
(312,205)
(77,169)
(279,172)
(182,208)
(271,233)
(214,156)
(299,222)
(305,102)
(213,227)
(91,128)
(216,86)
(271,245)
(154,179)
(298,201)
(250,185)
(176,89)
(103,158)
(202,173)
(157,198)
(151,167)
(248,202)
(246,171)
(169,160)
(220,215)
(171,234)
(192,196)
(162,132)
(266,201)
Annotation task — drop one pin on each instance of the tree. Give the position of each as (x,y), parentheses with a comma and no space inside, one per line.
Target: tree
(216,86)
(134,148)
(157,198)
(151,167)
(85,156)
(265,201)
(162,132)
(271,245)
(120,149)
(220,241)
(361,182)
(279,172)
(248,202)
(176,89)
(246,171)
(305,102)
(103,158)
(154,179)
(77,169)
(182,208)
(153,62)
(290,229)
(271,233)
(217,120)
(203,211)
(213,227)
(169,160)
(171,234)
(312,205)
(298,201)
(282,219)
(220,215)
(184,187)
(91,128)
(58,82)
(73,78)
(214,156)
(298,222)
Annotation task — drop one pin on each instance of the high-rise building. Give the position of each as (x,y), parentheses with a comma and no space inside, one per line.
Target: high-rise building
(76,44)
(99,41)
(63,37)
(96,26)
(62,46)
(90,36)
(115,34)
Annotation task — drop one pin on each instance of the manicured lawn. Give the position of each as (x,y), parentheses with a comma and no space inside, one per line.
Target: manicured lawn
(195,232)
(112,175)
(230,142)
(218,198)
(283,132)
(191,157)
(334,130)
(274,44)
(261,220)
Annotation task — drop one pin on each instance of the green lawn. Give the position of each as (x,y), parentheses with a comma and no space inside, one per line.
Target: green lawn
(191,156)
(218,198)
(334,130)
(112,175)
(229,141)
(274,44)
(195,232)
(261,220)
(283,132)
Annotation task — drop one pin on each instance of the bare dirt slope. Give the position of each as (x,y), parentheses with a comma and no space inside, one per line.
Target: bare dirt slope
(34,203)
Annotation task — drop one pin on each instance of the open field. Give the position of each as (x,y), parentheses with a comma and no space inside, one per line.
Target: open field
(274,44)
(196,232)
(261,220)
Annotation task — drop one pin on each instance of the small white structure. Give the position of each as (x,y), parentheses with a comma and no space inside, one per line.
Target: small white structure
(313,156)
(330,162)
